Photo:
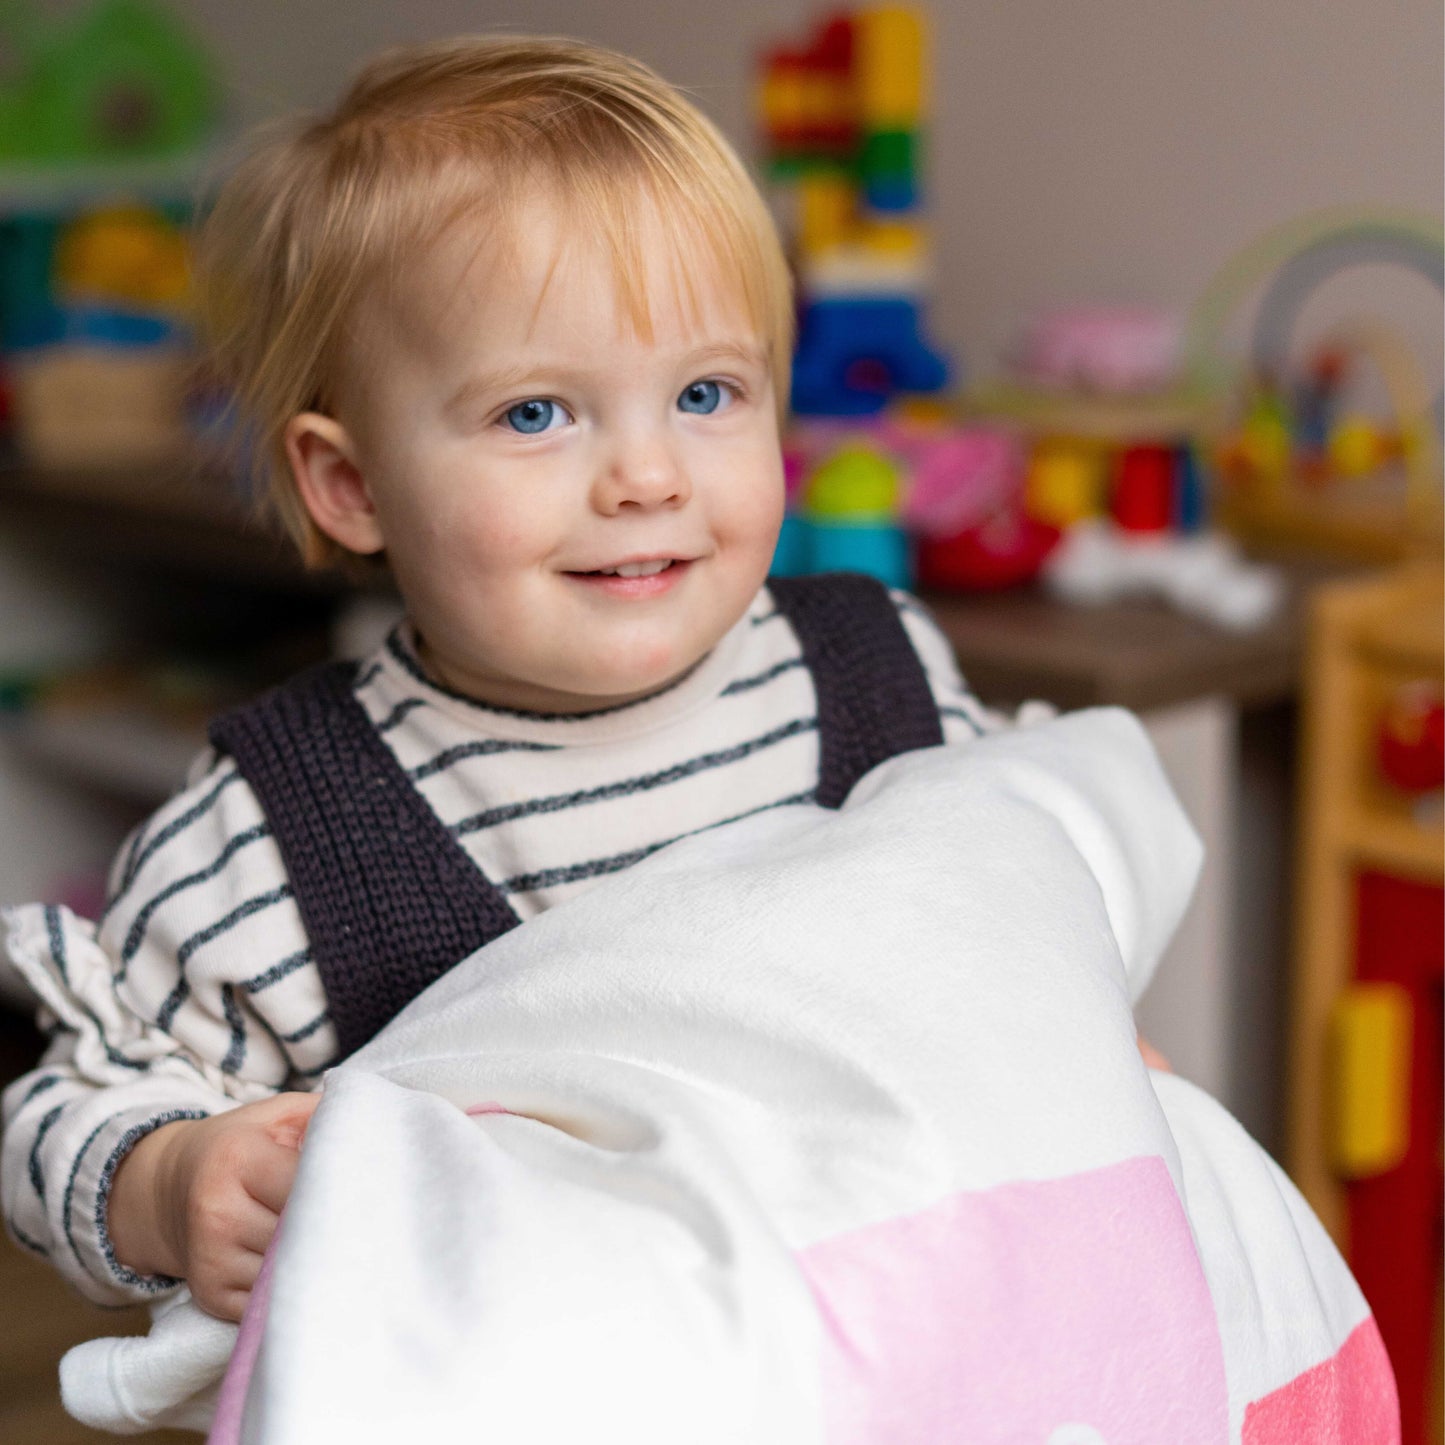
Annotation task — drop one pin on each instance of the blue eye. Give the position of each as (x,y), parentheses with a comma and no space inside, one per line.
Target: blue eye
(534,415)
(702,397)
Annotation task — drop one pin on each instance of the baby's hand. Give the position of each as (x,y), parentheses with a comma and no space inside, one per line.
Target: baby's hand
(201,1198)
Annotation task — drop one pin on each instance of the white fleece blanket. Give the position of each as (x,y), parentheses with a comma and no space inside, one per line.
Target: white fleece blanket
(817,1129)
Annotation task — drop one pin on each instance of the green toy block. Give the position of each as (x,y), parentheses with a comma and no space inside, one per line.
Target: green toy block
(791,165)
(892,153)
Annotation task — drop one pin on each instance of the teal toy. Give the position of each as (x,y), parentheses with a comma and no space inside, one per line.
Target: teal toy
(792,553)
(848,520)
(879,549)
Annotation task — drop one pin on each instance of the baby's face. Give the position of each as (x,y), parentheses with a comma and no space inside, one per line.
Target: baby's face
(574,514)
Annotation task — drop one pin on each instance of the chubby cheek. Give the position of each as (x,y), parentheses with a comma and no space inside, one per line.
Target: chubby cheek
(466,528)
(457,568)
(751,513)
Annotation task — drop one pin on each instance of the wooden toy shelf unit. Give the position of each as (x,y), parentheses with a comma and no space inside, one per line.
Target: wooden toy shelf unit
(1365,1097)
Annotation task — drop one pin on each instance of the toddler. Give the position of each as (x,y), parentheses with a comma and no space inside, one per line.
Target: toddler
(514,317)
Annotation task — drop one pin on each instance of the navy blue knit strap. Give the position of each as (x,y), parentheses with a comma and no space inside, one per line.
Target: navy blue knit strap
(874,700)
(389,899)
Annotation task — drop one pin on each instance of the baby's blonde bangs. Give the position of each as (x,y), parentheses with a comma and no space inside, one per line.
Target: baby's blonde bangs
(318,224)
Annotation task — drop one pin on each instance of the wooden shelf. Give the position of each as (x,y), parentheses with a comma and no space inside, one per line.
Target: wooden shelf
(181,513)
(1393,844)
(1161,418)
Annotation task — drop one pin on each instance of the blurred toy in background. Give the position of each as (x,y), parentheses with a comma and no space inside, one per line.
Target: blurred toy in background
(843,116)
(1300,464)
(99,361)
(1410,746)
(1153,457)
(846,515)
(1349,482)
(1115,433)
(103,121)
(120,79)
(1108,350)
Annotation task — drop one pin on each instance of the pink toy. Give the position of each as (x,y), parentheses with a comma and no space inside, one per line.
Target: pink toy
(1117,350)
(959,476)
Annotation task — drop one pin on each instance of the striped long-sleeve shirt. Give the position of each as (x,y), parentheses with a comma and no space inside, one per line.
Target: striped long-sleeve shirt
(195,990)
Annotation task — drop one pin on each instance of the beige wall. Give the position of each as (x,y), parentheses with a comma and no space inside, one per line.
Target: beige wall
(1082,149)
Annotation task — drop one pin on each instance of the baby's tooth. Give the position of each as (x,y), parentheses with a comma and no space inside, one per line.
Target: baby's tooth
(642,569)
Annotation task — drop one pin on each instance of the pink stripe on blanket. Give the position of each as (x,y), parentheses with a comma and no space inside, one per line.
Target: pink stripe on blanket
(231,1402)
(1349,1397)
(1061,1310)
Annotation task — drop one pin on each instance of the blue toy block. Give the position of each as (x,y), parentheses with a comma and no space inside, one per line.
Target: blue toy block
(855,352)
(1191,502)
(891,193)
(92,326)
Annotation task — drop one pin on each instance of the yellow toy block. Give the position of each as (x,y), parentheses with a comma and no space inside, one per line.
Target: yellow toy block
(889,59)
(892,239)
(1064,483)
(825,214)
(1370,1048)
(124,253)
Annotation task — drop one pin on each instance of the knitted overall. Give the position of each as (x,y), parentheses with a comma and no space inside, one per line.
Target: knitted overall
(390,899)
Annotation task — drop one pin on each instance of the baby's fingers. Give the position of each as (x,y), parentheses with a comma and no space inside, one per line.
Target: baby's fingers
(270,1172)
(224,1293)
(287,1115)
(226,1257)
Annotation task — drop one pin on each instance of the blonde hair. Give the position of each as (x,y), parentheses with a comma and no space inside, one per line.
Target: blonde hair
(323,216)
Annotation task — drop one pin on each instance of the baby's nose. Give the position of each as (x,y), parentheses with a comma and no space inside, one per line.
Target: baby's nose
(643,474)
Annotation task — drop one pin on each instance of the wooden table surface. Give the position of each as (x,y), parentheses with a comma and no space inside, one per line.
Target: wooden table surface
(1023,644)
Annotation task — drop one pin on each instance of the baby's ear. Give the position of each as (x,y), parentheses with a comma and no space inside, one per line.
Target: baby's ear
(329,480)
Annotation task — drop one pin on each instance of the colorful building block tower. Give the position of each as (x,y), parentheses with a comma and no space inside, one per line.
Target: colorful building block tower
(842,117)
